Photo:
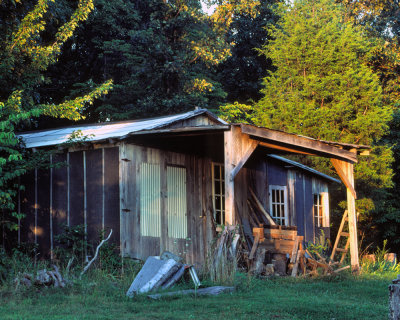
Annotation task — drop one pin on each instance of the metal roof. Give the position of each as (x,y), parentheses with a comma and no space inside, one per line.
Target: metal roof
(111,130)
(303,167)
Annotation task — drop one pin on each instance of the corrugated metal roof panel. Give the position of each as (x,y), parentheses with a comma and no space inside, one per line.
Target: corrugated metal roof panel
(101,131)
(303,167)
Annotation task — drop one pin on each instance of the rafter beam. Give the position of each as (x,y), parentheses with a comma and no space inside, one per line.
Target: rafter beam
(298,143)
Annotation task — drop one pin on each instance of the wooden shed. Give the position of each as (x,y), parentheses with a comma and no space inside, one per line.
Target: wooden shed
(165,183)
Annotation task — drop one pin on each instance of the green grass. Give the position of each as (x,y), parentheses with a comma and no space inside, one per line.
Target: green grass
(345,297)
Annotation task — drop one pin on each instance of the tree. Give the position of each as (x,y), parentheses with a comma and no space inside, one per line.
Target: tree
(324,87)
(161,55)
(241,74)
(25,55)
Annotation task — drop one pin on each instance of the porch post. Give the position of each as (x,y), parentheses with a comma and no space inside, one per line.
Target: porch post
(229,164)
(351,210)
(238,148)
(346,174)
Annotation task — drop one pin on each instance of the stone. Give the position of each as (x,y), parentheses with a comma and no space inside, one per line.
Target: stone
(153,274)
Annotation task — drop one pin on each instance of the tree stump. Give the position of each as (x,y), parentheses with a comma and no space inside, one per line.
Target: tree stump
(394,299)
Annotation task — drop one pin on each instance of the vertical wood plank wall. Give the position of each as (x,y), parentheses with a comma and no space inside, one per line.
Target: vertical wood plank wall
(56,197)
(199,204)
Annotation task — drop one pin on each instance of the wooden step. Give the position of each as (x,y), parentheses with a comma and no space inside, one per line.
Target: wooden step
(341,250)
(345,234)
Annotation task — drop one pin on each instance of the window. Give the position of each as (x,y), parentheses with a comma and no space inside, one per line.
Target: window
(318,210)
(150,200)
(176,202)
(278,204)
(218,178)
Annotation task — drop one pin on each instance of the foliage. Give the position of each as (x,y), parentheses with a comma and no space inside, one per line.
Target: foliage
(25,54)
(242,72)
(325,87)
(71,244)
(161,55)
(321,245)
(381,264)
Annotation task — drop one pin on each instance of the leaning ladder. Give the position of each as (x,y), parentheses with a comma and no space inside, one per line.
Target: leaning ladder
(343,234)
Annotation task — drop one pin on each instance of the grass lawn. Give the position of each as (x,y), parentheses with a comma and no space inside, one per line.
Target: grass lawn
(345,297)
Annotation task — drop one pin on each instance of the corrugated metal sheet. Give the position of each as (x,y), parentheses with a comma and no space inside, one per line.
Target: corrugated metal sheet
(303,167)
(150,200)
(101,131)
(176,202)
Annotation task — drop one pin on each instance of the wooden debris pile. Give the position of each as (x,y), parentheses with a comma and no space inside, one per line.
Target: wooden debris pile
(306,263)
(278,250)
(43,278)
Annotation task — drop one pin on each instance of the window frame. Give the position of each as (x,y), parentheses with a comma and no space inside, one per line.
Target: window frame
(222,191)
(285,218)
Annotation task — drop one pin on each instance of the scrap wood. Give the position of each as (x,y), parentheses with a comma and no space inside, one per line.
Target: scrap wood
(295,250)
(213,291)
(254,248)
(44,278)
(341,269)
(253,216)
(245,228)
(261,208)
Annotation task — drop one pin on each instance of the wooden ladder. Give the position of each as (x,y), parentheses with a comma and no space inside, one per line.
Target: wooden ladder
(340,234)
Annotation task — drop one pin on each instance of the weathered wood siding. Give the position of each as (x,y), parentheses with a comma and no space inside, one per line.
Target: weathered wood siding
(258,174)
(83,188)
(199,204)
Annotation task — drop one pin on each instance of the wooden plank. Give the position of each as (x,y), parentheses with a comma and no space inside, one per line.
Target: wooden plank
(277,246)
(254,248)
(293,256)
(43,212)
(298,143)
(252,147)
(261,208)
(280,234)
(111,193)
(338,235)
(94,194)
(60,196)
(341,169)
(253,217)
(76,188)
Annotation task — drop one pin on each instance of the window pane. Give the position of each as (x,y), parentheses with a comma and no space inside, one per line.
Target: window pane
(217,188)
(217,203)
(216,171)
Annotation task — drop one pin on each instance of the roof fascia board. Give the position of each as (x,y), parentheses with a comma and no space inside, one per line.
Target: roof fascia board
(301,143)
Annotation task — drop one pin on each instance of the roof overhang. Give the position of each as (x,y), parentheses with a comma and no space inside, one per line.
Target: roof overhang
(292,143)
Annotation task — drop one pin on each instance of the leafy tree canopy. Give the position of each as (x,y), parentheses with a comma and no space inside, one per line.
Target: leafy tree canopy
(25,53)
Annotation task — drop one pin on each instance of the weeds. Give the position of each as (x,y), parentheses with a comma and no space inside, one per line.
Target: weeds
(381,264)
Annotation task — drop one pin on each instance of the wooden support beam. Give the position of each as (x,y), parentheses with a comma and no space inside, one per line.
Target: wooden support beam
(340,167)
(299,143)
(237,146)
(286,149)
(253,145)
(345,171)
